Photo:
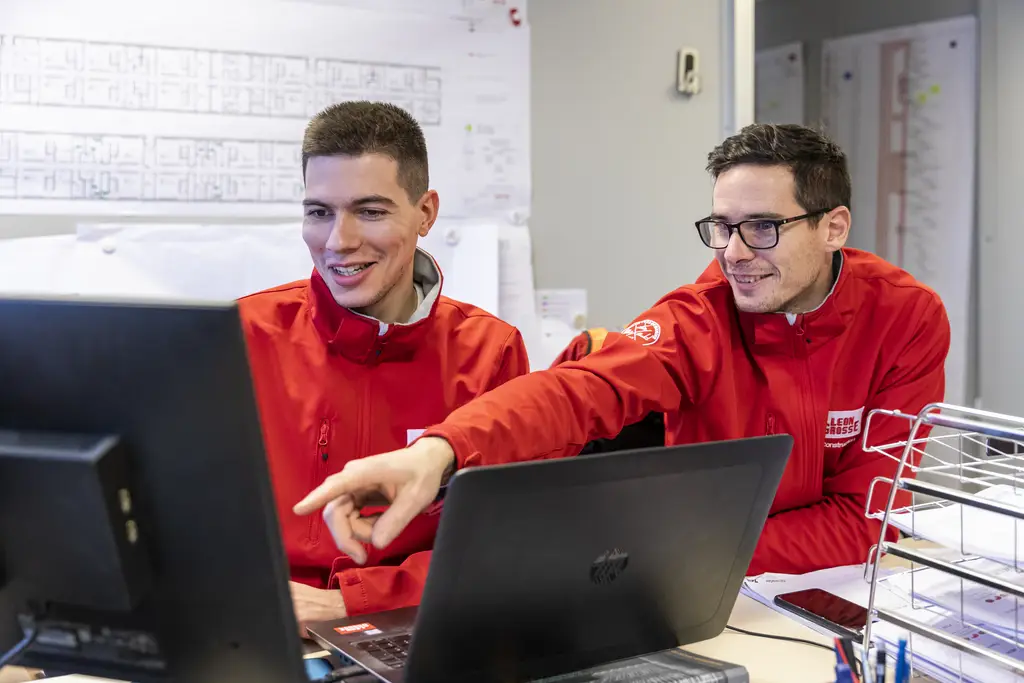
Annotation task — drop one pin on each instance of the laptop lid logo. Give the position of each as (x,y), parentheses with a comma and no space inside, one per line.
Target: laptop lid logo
(608,566)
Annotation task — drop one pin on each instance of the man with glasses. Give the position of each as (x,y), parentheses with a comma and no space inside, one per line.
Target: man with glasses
(787,331)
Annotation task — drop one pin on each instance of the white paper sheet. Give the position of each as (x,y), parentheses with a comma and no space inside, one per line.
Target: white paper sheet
(568,306)
(979,604)
(970,530)
(943,663)
(517,305)
(847,582)
(779,84)
(160,113)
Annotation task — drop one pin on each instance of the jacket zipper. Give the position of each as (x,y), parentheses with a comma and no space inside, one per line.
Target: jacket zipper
(769,427)
(807,395)
(316,521)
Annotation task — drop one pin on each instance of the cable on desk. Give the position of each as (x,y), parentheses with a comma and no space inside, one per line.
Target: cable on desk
(11,655)
(789,639)
(341,674)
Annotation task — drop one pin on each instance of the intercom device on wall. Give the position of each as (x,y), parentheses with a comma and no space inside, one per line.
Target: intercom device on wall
(688,71)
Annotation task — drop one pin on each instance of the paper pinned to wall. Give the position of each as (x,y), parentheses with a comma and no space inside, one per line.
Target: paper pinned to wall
(517,305)
(779,84)
(158,114)
(468,254)
(568,306)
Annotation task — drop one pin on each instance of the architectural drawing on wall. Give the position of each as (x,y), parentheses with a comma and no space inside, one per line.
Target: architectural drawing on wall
(779,84)
(158,113)
(57,165)
(901,103)
(79,73)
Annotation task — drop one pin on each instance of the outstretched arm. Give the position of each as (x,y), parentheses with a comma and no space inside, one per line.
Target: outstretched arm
(546,414)
(835,531)
(553,413)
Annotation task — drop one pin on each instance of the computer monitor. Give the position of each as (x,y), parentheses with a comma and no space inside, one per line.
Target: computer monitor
(138,531)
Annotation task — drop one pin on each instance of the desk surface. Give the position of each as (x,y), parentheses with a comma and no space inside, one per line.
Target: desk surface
(768,661)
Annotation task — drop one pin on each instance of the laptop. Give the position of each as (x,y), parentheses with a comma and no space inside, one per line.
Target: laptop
(553,566)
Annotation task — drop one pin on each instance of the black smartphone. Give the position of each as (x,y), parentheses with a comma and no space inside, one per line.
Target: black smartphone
(828,610)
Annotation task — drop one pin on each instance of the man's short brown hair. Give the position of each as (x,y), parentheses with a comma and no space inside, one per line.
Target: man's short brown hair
(358,128)
(820,174)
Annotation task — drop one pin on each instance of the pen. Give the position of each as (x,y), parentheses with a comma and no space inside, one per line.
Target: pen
(843,674)
(880,664)
(901,662)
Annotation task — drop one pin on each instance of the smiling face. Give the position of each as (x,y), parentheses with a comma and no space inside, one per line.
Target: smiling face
(795,276)
(361,228)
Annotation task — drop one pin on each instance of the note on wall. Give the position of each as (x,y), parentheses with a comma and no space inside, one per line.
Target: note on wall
(568,306)
(779,84)
(161,112)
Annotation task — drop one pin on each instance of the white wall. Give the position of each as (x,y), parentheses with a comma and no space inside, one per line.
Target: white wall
(617,154)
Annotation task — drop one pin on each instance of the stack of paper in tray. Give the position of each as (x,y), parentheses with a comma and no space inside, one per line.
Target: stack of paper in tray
(983,541)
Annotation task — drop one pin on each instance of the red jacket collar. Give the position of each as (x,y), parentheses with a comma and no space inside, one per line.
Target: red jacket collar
(357,337)
(773,333)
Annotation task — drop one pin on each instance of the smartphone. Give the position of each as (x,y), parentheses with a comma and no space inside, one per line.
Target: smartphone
(828,610)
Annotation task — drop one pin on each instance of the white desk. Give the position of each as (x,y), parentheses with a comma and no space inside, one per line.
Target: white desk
(768,661)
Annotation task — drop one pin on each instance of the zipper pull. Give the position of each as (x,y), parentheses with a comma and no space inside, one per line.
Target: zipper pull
(322,442)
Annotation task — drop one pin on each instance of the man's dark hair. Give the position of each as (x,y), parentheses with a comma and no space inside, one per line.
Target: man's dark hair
(358,128)
(820,174)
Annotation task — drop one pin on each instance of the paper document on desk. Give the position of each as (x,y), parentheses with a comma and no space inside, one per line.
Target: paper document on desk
(979,604)
(944,663)
(847,582)
(970,530)
(670,666)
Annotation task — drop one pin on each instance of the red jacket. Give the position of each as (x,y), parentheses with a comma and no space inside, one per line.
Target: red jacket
(330,388)
(878,341)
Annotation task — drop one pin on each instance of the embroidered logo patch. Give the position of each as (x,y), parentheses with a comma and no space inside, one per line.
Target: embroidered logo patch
(843,427)
(644,331)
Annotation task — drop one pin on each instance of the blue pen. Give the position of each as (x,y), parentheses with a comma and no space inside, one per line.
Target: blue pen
(901,662)
(843,674)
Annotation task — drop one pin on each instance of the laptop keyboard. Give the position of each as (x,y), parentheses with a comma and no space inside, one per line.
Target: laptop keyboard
(391,651)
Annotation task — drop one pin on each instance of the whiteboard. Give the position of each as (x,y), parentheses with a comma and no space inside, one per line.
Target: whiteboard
(902,104)
(118,107)
(779,84)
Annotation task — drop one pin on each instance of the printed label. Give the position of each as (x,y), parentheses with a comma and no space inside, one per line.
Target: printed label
(843,427)
(354,628)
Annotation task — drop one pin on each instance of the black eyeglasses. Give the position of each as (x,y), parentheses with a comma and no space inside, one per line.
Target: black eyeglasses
(757,233)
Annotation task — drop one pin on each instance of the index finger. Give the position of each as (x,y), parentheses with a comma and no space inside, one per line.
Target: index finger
(354,477)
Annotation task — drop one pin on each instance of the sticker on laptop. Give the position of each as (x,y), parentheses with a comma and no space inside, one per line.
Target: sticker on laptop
(352,629)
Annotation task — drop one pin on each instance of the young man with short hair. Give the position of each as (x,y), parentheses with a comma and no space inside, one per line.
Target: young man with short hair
(366,353)
(787,331)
